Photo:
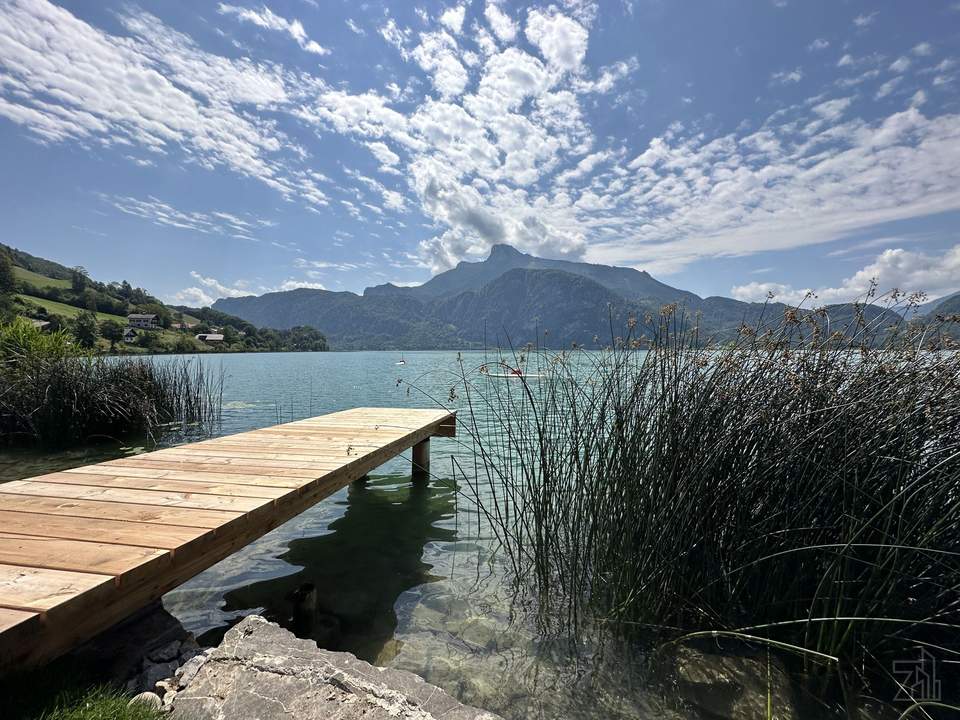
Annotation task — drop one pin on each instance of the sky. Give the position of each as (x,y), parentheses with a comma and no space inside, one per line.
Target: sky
(728,147)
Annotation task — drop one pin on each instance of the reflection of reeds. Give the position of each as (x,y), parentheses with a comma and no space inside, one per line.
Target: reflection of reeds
(53,397)
(798,486)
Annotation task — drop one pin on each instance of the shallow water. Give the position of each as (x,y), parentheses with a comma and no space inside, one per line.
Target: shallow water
(406,574)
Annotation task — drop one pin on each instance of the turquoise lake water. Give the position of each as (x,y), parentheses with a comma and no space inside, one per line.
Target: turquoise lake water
(407,575)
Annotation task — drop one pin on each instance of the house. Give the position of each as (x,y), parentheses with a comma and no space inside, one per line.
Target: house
(182,325)
(129,335)
(210,337)
(41,325)
(138,320)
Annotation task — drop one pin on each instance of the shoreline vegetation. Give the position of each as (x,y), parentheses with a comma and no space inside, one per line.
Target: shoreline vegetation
(95,314)
(54,395)
(795,492)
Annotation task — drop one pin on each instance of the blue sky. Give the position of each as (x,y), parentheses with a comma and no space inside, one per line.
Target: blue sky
(729,147)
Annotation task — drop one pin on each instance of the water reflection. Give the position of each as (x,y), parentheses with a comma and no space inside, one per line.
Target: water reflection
(345,593)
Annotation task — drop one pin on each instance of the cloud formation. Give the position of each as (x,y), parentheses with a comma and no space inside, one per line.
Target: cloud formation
(906,270)
(495,144)
(268,20)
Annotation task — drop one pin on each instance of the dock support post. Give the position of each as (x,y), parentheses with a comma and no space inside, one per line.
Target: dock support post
(421,459)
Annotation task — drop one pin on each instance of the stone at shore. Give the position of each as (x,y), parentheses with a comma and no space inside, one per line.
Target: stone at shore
(262,671)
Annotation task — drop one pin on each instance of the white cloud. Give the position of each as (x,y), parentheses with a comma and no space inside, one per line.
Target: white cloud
(267,19)
(818,44)
(831,110)
(354,28)
(864,20)
(900,65)
(888,87)
(904,270)
(787,77)
(383,153)
(438,55)
(561,40)
(845,60)
(207,223)
(503,26)
(452,18)
(923,49)
(153,88)
(396,36)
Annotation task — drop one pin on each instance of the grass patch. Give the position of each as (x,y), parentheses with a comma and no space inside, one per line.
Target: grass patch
(67,311)
(53,397)
(98,703)
(38,280)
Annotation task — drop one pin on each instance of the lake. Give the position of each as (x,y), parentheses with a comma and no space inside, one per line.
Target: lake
(407,574)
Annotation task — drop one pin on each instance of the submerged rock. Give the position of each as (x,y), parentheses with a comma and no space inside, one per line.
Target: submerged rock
(261,670)
(733,687)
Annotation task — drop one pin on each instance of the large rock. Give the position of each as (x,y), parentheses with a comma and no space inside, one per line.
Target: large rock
(262,671)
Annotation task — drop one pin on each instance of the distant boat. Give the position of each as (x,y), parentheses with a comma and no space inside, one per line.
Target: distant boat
(510,374)
(401,361)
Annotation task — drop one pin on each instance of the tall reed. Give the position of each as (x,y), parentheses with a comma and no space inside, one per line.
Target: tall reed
(52,396)
(798,486)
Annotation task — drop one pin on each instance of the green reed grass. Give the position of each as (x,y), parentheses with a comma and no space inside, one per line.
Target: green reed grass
(51,395)
(798,485)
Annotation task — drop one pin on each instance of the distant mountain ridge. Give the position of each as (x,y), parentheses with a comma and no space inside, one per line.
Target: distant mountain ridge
(510,298)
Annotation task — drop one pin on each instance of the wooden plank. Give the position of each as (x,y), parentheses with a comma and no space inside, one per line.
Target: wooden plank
(186,517)
(212,476)
(176,465)
(116,532)
(39,589)
(84,548)
(11,618)
(78,555)
(202,487)
(140,497)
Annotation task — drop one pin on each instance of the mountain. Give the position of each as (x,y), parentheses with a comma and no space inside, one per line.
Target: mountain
(628,283)
(511,298)
(948,305)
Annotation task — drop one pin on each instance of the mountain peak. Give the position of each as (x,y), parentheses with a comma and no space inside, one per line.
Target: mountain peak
(502,250)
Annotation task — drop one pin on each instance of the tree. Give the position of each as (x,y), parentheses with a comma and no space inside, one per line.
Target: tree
(78,279)
(113,331)
(149,340)
(90,299)
(230,336)
(85,329)
(184,345)
(8,281)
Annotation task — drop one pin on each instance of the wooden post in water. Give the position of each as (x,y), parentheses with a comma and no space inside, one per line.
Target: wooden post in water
(421,460)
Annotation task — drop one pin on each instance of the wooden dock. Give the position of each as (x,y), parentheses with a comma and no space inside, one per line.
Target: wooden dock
(82,549)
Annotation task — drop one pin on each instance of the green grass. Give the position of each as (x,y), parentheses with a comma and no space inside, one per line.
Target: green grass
(67,311)
(98,703)
(37,280)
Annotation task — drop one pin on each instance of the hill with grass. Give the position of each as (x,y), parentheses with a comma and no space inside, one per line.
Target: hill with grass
(96,313)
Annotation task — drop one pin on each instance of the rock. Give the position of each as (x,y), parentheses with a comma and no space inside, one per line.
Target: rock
(263,671)
(151,700)
(117,653)
(154,673)
(165,653)
(733,687)
(188,671)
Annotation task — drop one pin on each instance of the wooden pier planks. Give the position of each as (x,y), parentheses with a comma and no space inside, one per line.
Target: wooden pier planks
(84,548)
